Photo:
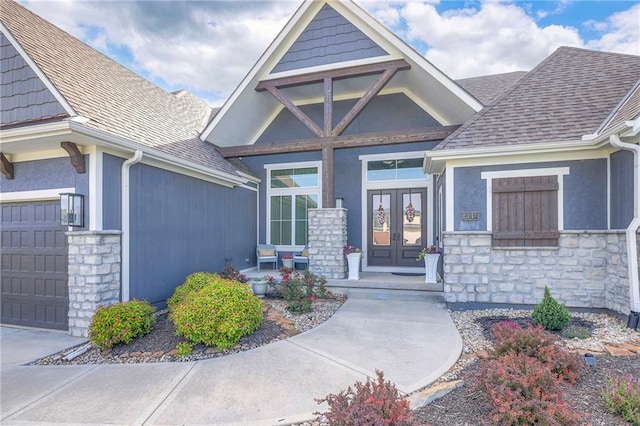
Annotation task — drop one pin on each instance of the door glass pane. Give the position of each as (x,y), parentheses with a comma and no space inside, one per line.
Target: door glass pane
(412,219)
(381,218)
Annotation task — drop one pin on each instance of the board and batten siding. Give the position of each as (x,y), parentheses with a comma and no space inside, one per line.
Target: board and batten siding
(384,113)
(585,193)
(621,169)
(111,192)
(329,38)
(180,225)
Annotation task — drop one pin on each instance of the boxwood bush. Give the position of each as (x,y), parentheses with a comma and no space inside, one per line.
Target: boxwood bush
(121,323)
(193,283)
(219,313)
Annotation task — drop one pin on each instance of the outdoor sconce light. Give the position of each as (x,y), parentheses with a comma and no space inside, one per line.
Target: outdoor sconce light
(339,203)
(72,210)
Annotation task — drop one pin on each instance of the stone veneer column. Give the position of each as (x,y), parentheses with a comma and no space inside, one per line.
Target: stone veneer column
(94,275)
(327,238)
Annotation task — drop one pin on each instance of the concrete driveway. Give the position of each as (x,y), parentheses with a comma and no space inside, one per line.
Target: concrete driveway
(413,343)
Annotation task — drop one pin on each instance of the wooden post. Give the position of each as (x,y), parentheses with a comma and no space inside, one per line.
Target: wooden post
(328,199)
(328,106)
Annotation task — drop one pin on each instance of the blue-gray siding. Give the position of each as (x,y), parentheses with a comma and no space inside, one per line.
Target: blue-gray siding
(49,174)
(329,38)
(180,225)
(621,189)
(111,190)
(347,180)
(377,116)
(585,194)
(23,96)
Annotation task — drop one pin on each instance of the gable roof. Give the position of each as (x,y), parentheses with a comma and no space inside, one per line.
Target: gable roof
(247,113)
(113,99)
(567,96)
(488,88)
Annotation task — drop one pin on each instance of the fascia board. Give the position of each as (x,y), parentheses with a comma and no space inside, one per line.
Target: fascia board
(257,67)
(104,138)
(511,150)
(36,69)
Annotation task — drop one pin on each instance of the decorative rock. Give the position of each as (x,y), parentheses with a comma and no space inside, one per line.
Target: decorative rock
(615,351)
(437,391)
(172,352)
(482,354)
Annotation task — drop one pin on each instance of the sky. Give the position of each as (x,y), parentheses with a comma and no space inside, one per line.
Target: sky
(207,47)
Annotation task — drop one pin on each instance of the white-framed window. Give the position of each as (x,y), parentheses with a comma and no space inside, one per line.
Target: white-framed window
(292,189)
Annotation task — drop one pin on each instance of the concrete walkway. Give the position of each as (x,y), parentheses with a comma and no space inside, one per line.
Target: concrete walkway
(413,343)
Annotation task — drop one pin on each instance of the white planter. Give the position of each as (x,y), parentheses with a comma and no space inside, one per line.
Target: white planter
(353,260)
(259,287)
(431,268)
(287,263)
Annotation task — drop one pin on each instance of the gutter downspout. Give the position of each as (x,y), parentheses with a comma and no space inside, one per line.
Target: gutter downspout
(125,198)
(632,229)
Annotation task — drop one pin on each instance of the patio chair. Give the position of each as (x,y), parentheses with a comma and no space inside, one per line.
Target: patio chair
(302,257)
(267,253)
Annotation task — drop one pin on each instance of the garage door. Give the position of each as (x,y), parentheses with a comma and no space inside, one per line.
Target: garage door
(34,265)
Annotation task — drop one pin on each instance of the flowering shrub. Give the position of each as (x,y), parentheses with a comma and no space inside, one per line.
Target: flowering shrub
(371,403)
(231,273)
(622,396)
(121,323)
(300,289)
(524,391)
(287,256)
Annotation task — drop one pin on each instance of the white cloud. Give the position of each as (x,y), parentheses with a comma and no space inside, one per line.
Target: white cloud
(621,32)
(497,37)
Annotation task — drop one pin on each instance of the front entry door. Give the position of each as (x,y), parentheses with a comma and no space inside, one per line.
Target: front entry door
(397,226)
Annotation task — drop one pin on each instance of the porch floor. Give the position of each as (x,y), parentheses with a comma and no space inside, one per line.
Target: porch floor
(383,281)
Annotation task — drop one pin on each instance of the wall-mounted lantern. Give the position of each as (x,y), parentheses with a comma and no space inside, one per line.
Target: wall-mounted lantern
(72,210)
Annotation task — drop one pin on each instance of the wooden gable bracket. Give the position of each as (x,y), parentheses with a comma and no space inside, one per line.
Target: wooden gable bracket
(6,166)
(77,160)
(387,70)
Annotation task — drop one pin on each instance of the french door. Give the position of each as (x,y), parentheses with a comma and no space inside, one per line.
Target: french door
(397,226)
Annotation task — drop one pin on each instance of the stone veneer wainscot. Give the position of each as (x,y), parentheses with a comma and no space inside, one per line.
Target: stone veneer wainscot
(327,238)
(94,275)
(587,269)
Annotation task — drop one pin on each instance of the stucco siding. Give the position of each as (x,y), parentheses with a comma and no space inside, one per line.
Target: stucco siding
(180,225)
(23,96)
(49,174)
(621,166)
(384,113)
(585,194)
(329,38)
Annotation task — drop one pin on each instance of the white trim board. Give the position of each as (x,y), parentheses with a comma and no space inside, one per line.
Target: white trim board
(554,171)
(36,195)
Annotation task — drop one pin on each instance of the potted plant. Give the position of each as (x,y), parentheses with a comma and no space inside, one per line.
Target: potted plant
(287,260)
(431,255)
(259,285)
(354,254)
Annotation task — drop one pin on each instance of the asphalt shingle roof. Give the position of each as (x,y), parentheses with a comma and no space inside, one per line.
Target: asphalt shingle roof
(570,94)
(488,88)
(115,99)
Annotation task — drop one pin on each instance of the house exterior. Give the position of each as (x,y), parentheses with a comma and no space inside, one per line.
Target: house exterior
(339,134)
(159,202)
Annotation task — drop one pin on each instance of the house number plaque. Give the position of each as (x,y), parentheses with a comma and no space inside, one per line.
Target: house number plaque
(467,216)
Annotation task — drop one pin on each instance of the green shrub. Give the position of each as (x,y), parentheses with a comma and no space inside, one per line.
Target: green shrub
(184,349)
(219,314)
(372,403)
(622,396)
(194,282)
(550,313)
(576,332)
(301,306)
(121,323)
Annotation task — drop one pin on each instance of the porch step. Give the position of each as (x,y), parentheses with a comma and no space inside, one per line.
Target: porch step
(435,297)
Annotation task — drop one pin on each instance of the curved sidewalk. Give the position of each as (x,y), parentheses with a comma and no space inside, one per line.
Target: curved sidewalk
(413,343)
